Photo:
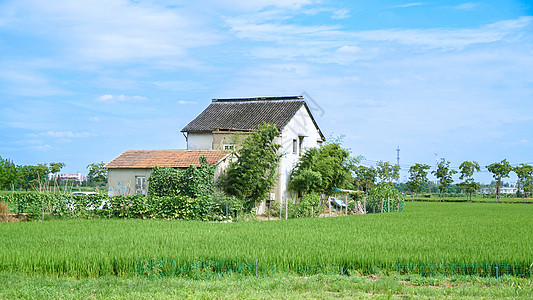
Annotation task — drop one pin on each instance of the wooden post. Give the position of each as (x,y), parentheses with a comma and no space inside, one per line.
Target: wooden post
(286,209)
(346,203)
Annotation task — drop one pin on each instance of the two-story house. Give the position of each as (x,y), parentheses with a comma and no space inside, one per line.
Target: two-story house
(215,128)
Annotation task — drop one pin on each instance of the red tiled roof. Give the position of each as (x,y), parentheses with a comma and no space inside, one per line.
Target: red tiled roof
(147,159)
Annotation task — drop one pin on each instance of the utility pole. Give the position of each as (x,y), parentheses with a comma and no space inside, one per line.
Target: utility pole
(436,164)
(398,161)
(398,156)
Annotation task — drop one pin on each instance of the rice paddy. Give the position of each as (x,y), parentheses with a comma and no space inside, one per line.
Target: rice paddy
(426,233)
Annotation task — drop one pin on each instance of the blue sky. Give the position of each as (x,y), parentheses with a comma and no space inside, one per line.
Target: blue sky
(82,81)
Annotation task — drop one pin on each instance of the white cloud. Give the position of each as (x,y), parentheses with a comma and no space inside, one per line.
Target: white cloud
(341,14)
(43,147)
(409,4)
(66,134)
(186,102)
(258,5)
(22,78)
(466,6)
(116,31)
(119,98)
(333,44)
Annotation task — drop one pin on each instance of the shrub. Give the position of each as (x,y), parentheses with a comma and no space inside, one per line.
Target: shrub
(163,182)
(309,206)
(384,198)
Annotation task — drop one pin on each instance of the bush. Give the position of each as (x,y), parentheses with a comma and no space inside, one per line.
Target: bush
(384,198)
(309,206)
(163,182)
(138,206)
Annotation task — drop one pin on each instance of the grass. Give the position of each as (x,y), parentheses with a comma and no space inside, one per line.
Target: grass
(478,198)
(16,285)
(434,233)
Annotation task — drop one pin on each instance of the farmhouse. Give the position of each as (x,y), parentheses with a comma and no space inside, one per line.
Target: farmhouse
(216,127)
(216,131)
(128,173)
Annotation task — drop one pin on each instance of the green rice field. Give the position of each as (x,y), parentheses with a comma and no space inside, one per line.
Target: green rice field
(426,233)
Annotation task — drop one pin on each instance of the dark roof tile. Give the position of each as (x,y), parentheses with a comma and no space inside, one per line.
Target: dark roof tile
(245,113)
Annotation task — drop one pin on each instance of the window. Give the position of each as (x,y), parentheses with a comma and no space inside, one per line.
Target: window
(140,185)
(301,138)
(229,147)
(294,146)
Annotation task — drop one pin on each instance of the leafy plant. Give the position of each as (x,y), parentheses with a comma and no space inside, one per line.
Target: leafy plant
(384,198)
(331,162)
(253,174)
(197,182)
(163,182)
(309,206)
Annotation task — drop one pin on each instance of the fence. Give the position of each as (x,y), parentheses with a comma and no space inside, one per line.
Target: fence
(206,269)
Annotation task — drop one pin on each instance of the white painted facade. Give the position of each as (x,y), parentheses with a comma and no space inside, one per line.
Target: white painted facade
(123,181)
(299,134)
(198,141)
(127,181)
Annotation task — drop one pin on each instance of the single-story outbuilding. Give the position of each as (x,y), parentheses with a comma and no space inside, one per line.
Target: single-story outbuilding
(128,173)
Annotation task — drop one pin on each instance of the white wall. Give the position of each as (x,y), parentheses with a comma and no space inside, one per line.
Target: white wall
(300,124)
(199,141)
(122,181)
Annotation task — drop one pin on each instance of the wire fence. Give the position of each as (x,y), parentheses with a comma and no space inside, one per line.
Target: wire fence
(210,269)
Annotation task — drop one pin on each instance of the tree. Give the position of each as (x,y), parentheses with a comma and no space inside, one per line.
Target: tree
(499,170)
(331,161)
(306,181)
(97,173)
(467,169)
(417,177)
(387,173)
(444,175)
(34,177)
(253,174)
(525,178)
(55,167)
(364,177)
(8,174)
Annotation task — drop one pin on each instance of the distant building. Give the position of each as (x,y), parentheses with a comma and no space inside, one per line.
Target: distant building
(503,190)
(66,176)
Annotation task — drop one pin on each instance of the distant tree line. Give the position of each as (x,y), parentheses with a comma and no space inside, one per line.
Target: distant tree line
(35,177)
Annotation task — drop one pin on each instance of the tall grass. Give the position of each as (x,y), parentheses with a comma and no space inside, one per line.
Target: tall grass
(446,233)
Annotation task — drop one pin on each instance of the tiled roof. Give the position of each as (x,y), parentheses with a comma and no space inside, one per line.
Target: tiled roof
(246,113)
(147,159)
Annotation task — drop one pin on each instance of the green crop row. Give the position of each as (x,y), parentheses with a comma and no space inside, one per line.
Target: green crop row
(426,233)
(37,205)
